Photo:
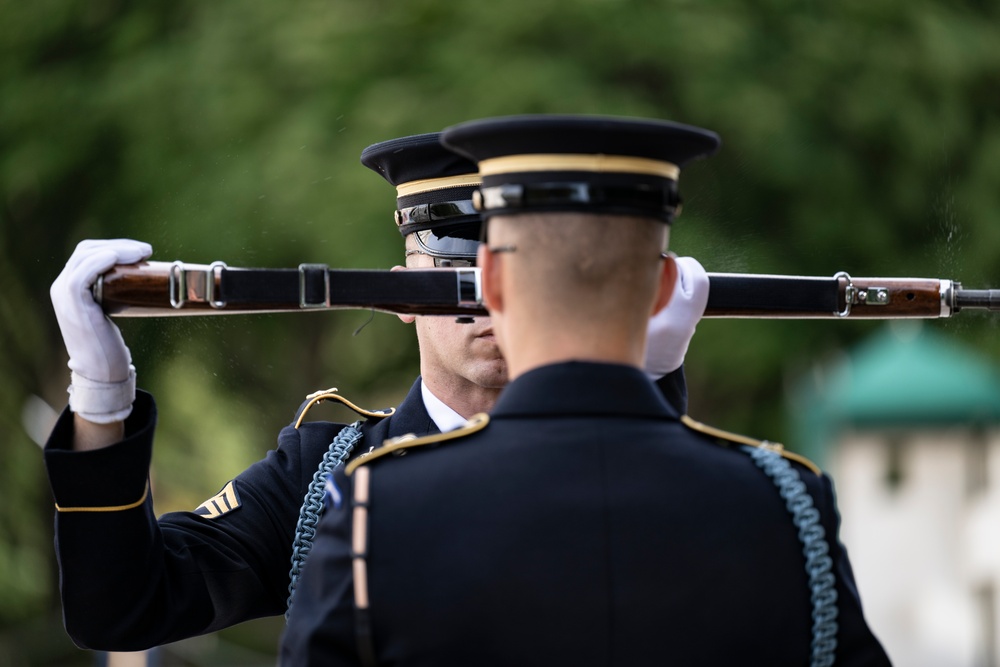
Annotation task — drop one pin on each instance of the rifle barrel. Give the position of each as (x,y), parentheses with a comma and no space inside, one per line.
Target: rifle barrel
(988,299)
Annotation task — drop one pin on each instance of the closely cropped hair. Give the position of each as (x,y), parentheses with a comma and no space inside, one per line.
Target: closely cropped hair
(609,263)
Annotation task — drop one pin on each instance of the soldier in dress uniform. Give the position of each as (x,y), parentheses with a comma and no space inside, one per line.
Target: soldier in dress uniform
(583,521)
(130,581)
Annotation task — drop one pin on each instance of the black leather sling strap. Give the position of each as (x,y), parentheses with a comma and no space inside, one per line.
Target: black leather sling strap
(442,292)
(749,295)
(315,286)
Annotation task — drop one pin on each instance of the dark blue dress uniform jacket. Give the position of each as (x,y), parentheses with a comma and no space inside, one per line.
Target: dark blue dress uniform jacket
(130,581)
(584,525)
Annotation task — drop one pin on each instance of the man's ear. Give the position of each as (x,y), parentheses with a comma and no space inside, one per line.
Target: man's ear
(668,277)
(491,265)
(408,319)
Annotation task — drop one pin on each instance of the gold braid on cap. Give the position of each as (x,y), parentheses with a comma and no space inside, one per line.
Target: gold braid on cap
(510,164)
(431,184)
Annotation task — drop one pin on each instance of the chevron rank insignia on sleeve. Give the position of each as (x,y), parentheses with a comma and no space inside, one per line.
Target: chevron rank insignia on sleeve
(223,502)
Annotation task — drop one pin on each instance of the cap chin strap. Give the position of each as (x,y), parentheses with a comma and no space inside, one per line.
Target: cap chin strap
(642,199)
(428,216)
(426,221)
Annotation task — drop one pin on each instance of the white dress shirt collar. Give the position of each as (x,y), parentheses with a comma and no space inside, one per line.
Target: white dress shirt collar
(444,417)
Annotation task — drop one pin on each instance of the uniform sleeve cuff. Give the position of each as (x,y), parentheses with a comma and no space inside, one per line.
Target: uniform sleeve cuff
(113,476)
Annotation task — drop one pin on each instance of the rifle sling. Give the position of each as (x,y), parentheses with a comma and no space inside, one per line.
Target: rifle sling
(445,291)
(791,294)
(437,289)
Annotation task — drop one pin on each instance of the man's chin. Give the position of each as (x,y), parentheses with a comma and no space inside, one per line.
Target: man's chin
(492,375)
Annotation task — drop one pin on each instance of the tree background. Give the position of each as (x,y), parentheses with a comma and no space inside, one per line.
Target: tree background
(860,136)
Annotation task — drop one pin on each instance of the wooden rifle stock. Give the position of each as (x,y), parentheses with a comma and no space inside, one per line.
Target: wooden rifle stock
(144,290)
(170,289)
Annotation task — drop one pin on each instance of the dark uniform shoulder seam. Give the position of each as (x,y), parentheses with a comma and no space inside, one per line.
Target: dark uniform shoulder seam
(476,423)
(777,447)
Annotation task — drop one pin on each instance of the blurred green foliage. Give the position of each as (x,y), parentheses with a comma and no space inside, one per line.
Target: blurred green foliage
(861,136)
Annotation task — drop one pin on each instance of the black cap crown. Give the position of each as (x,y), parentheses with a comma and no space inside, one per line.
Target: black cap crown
(434,189)
(600,164)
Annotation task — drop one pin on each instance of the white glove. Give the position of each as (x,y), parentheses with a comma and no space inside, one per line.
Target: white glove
(670,330)
(102,377)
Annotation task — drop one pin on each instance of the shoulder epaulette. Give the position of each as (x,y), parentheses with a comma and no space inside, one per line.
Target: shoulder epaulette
(776,447)
(332,395)
(476,423)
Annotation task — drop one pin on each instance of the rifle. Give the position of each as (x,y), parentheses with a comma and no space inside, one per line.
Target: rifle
(167,289)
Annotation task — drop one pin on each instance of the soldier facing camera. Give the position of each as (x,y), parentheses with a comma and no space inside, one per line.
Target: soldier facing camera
(234,557)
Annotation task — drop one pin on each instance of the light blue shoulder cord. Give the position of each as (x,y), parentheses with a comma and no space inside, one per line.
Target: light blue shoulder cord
(305,530)
(819,565)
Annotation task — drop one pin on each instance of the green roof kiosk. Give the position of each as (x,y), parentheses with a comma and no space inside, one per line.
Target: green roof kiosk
(908,423)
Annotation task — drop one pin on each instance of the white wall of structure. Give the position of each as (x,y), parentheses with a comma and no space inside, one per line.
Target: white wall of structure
(921,521)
